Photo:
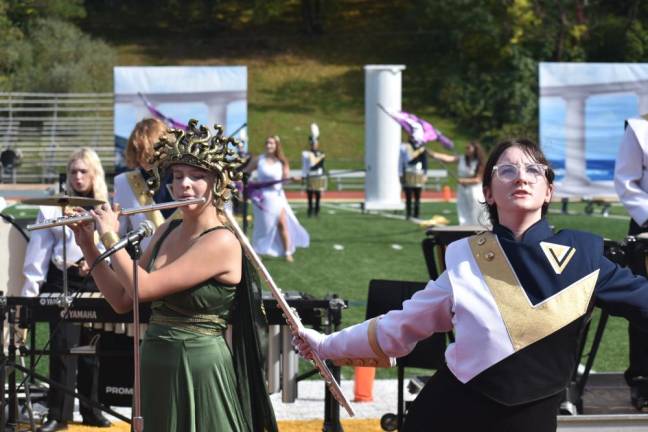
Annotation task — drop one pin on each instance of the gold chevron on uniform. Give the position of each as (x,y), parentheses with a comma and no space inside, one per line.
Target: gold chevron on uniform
(558,255)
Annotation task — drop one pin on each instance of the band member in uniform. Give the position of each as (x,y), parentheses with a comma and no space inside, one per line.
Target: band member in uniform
(631,183)
(131,190)
(412,169)
(43,273)
(470,170)
(517,299)
(277,232)
(198,281)
(313,172)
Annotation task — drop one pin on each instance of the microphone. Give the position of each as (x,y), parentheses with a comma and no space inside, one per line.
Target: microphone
(145,229)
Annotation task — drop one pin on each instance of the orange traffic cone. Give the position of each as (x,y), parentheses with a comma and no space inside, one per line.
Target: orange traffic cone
(363,384)
(447,193)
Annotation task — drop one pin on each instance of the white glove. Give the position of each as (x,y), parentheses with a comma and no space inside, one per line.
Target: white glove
(307,342)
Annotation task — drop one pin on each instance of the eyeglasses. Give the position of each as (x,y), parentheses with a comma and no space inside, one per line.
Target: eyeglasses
(509,172)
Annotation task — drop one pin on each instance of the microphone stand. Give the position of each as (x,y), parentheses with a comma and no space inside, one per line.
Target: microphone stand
(135,251)
(244,208)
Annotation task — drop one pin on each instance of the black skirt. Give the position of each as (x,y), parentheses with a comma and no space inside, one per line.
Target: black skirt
(446,404)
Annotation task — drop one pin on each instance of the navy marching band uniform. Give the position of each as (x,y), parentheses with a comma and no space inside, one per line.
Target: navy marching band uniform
(518,309)
(313,173)
(412,169)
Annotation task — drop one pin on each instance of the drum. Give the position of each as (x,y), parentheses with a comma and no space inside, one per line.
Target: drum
(317,183)
(414,179)
(13,244)
(12,256)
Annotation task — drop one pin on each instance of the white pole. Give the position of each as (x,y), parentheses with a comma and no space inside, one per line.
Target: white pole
(383,85)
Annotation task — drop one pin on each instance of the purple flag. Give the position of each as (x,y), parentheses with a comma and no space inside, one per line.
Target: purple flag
(417,128)
(168,120)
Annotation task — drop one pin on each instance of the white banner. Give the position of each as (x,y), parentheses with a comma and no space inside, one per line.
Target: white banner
(175,94)
(583,107)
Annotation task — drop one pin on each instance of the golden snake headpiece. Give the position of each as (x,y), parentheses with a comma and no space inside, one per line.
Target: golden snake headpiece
(198,147)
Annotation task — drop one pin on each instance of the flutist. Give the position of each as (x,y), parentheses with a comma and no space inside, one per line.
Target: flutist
(194,273)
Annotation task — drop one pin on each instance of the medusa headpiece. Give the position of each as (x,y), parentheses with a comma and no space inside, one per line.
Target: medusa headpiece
(198,147)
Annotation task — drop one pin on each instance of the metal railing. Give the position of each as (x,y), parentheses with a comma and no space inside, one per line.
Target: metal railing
(46,127)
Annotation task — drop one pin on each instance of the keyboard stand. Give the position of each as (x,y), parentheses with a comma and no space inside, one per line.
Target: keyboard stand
(8,363)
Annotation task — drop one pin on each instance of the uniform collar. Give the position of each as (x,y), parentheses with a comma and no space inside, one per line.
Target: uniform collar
(146,174)
(537,232)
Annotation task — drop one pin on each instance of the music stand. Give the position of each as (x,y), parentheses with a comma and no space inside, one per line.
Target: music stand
(436,242)
(386,295)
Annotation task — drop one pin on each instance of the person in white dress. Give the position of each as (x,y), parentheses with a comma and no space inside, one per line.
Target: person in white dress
(43,269)
(470,170)
(131,190)
(277,231)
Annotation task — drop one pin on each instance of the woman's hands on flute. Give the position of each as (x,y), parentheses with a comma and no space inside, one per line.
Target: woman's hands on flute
(106,219)
(83,230)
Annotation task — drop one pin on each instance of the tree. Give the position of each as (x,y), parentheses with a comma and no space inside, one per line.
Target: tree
(9,55)
(75,63)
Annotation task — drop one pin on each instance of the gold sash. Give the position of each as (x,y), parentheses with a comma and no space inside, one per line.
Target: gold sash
(141,191)
(527,323)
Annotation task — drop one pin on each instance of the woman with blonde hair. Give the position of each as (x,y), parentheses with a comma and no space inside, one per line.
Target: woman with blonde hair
(277,231)
(43,270)
(97,176)
(131,189)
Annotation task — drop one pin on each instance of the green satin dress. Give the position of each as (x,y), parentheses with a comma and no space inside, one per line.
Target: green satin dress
(189,380)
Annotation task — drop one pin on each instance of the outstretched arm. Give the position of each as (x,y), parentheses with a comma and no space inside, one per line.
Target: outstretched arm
(443,157)
(394,334)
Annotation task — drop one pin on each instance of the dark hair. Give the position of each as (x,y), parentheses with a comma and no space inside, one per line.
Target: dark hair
(478,154)
(532,150)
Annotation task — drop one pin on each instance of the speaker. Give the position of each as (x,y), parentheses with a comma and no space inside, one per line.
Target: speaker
(116,369)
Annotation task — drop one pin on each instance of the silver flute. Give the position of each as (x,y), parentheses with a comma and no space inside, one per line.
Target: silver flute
(290,314)
(69,220)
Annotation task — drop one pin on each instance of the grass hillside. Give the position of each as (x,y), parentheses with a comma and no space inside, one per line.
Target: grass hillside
(295,79)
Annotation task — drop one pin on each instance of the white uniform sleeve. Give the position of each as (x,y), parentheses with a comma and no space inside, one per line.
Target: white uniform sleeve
(428,311)
(305,163)
(37,258)
(628,173)
(121,197)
